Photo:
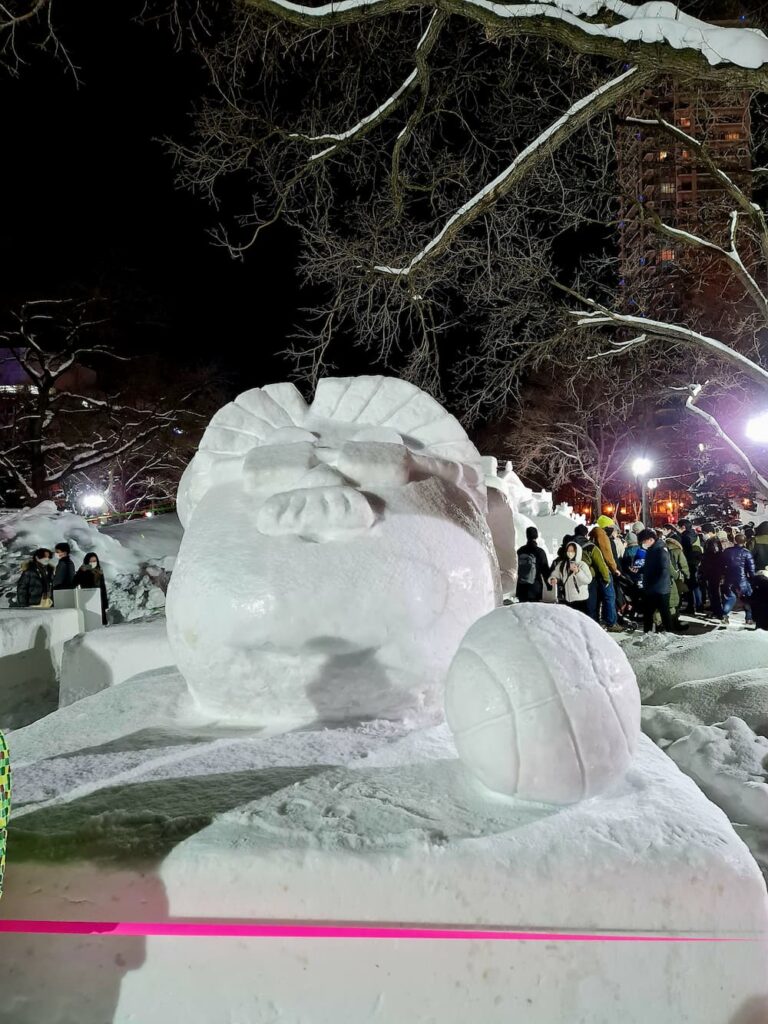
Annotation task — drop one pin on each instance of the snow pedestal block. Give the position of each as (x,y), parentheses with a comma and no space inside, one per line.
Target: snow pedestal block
(366,824)
(107,657)
(31,650)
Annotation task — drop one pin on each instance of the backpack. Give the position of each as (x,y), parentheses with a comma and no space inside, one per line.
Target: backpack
(586,557)
(526,568)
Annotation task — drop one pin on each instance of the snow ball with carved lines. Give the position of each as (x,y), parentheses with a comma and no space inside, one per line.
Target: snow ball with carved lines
(334,555)
(543,704)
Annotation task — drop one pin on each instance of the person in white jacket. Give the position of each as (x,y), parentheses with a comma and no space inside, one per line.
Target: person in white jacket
(574,576)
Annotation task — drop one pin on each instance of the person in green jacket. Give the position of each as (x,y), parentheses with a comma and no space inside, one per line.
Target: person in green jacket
(5,802)
(760,549)
(592,557)
(679,570)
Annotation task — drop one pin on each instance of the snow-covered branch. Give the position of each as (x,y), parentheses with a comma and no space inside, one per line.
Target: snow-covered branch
(642,31)
(691,405)
(576,117)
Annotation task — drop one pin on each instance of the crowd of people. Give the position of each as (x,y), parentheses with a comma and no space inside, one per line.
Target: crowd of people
(48,572)
(652,575)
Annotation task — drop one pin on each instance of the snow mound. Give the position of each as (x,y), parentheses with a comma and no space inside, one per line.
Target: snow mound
(138,557)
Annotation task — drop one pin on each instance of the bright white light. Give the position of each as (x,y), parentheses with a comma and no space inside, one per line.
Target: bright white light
(94,501)
(149,515)
(757,428)
(641,467)
(652,484)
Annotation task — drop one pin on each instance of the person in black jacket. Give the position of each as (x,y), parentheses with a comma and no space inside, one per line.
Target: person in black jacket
(90,576)
(711,571)
(64,576)
(657,580)
(532,568)
(739,573)
(36,580)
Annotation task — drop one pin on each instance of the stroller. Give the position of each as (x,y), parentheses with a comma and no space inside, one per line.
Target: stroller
(629,600)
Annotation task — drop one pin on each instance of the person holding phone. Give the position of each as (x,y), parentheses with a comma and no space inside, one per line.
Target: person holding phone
(575,577)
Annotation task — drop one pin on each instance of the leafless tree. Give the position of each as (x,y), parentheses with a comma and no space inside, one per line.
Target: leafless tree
(55,422)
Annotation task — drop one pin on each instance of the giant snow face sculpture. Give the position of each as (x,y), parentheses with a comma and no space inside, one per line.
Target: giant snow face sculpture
(334,554)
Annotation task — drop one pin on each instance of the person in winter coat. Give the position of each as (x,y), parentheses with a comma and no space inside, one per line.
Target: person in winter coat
(693,551)
(532,569)
(711,572)
(678,567)
(90,576)
(739,573)
(574,576)
(606,591)
(36,581)
(760,549)
(5,802)
(657,580)
(598,570)
(64,576)
(725,540)
(617,544)
(759,599)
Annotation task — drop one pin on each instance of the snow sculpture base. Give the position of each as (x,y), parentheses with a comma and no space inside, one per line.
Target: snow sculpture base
(365,824)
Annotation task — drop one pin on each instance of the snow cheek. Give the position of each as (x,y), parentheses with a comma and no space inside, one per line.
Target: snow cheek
(316,514)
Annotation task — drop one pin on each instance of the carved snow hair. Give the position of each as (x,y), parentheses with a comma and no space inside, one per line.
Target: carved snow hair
(270,439)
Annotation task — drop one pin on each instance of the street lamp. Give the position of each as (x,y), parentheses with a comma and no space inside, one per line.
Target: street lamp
(94,502)
(641,467)
(757,428)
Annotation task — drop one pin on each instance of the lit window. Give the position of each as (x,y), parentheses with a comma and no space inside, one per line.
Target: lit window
(733,136)
(667,255)
(663,154)
(686,154)
(684,122)
(668,188)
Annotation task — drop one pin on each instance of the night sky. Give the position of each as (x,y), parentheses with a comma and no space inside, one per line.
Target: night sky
(90,206)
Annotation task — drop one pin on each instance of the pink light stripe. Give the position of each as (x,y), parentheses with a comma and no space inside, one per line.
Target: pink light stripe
(209,929)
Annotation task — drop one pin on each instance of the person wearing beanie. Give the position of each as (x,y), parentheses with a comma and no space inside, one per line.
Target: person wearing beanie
(606,591)
(725,540)
(657,580)
(532,568)
(637,527)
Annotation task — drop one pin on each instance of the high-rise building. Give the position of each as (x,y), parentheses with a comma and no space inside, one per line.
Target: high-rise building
(660,175)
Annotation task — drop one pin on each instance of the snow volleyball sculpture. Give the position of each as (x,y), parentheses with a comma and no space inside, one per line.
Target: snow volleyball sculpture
(543,704)
(334,554)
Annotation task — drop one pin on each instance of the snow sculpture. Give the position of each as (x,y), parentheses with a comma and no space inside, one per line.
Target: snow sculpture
(543,704)
(334,554)
(502,522)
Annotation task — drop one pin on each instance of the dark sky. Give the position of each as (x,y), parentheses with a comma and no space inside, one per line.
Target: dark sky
(89,201)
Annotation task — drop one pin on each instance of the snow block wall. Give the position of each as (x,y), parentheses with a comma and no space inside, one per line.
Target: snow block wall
(362,554)
(31,651)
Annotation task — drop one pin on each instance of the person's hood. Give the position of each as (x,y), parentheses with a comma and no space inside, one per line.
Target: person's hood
(581,540)
(762,528)
(578,551)
(637,527)
(604,521)
(671,542)
(631,540)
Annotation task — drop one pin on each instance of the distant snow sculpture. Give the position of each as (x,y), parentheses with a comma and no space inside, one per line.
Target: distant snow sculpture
(543,704)
(334,554)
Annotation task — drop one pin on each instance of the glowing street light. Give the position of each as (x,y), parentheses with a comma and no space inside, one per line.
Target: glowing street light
(653,483)
(641,467)
(757,428)
(94,502)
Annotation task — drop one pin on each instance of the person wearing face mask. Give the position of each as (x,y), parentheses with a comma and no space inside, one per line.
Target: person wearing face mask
(35,585)
(64,576)
(90,576)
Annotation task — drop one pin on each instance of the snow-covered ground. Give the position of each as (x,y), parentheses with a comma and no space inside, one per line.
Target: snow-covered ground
(705,702)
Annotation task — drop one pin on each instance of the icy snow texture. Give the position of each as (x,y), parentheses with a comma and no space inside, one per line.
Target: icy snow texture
(530,679)
(360,554)
(706,705)
(107,657)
